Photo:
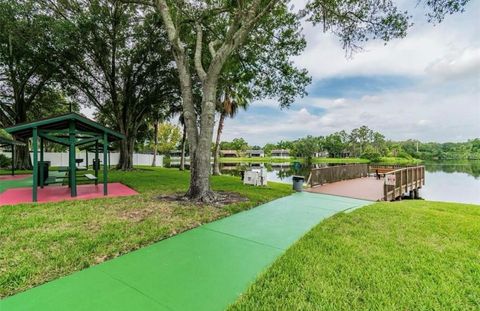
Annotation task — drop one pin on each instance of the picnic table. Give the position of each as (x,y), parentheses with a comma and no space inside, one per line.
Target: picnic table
(66,168)
(62,173)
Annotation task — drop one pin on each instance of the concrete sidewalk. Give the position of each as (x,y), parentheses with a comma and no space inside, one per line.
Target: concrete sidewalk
(206,268)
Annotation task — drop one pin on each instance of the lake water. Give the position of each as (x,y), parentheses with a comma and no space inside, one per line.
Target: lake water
(453,182)
(444,181)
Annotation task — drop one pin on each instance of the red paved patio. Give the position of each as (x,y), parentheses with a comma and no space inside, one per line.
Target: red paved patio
(62,193)
(367,188)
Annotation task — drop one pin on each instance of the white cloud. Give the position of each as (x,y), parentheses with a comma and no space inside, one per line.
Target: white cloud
(464,63)
(442,105)
(419,112)
(324,57)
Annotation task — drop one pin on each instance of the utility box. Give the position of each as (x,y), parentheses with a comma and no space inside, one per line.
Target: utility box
(256,177)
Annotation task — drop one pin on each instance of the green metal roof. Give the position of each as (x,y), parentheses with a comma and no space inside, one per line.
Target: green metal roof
(60,123)
(91,146)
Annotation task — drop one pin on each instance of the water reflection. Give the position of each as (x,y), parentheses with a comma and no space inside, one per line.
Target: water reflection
(452,181)
(471,168)
(445,181)
(277,172)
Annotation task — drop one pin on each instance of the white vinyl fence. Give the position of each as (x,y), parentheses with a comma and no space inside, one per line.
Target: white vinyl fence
(61,158)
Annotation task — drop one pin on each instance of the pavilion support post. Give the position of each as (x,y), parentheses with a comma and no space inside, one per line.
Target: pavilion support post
(13,160)
(109,157)
(41,173)
(86,158)
(71,160)
(105,160)
(35,163)
(96,162)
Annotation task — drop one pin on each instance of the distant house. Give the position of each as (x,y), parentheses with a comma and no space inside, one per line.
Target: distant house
(281,153)
(321,154)
(229,167)
(177,154)
(255,153)
(229,153)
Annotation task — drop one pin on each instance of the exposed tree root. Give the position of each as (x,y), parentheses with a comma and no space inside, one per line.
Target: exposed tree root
(218,199)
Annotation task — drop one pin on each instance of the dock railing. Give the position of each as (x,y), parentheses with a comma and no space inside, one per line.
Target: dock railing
(382,168)
(330,174)
(402,181)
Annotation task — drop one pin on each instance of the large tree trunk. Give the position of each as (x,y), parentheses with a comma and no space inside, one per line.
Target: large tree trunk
(155,128)
(22,155)
(182,157)
(200,167)
(200,134)
(216,159)
(200,178)
(128,127)
(126,153)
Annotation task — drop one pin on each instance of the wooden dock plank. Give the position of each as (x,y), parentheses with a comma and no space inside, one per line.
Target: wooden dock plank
(351,181)
(367,188)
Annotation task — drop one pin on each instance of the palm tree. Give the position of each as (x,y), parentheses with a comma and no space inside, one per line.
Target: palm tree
(228,107)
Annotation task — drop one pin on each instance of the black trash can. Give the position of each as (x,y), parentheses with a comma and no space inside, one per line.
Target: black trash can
(43,167)
(96,164)
(298,183)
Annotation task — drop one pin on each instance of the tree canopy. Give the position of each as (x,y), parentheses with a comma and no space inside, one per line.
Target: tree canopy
(139,60)
(123,66)
(363,142)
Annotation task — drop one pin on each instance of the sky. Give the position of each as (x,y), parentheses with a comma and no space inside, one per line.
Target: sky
(425,86)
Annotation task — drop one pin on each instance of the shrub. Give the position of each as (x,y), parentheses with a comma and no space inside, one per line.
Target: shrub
(4,161)
(371,154)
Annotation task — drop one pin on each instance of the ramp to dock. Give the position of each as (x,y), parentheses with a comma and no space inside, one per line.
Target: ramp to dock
(205,268)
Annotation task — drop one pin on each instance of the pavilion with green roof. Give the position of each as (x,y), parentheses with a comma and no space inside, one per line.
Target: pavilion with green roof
(73,131)
(4,142)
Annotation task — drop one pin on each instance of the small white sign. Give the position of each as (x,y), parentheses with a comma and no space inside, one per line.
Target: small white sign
(390,180)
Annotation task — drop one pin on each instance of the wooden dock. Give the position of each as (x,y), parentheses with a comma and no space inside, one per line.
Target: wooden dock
(361,181)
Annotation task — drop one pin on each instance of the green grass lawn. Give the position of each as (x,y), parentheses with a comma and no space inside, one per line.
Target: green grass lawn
(410,255)
(42,242)
(17,172)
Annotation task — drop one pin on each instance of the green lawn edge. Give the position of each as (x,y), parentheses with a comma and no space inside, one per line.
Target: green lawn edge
(410,255)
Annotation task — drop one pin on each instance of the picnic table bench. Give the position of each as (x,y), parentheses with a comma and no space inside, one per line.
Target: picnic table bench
(61,175)
(90,177)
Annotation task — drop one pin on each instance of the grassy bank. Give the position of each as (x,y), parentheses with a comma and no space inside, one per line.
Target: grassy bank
(290,160)
(383,160)
(410,255)
(42,242)
(398,161)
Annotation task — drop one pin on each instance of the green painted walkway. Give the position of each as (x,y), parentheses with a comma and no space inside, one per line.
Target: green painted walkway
(15,183)
(206,268)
